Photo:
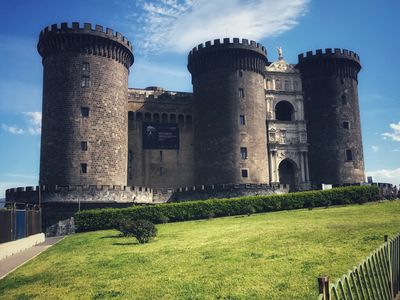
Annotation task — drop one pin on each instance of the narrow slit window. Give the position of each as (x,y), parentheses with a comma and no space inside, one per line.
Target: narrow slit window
(161,171)
(344,99)
(241,93)
(243,153)
(161,156)
(242,120)
(349,155)
(245,173)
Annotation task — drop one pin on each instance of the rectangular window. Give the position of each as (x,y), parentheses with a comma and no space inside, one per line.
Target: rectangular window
(349,155)
(85,111)
(346,125)
(245,173)
(161,156)
(130,172)
(242,120)
(84,146)
(130,155)
(85,81)
(243,153)
(241,93)
(83,168)
(86,67)
(161,171)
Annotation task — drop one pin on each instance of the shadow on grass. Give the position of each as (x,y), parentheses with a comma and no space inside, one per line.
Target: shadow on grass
(114,236)
(126,244)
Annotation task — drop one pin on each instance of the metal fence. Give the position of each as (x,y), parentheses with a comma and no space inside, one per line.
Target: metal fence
(19,220)
(376,277)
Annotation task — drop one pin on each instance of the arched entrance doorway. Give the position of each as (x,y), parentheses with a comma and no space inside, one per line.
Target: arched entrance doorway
(287,174)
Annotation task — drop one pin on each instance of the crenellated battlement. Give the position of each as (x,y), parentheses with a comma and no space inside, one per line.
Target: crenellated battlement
(229,43)
(69,188)
(86,28)
(329,52)
(234,54)
(87,39)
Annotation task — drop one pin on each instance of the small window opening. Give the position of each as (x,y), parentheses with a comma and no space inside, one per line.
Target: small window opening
(161,156)
(86,67)
(172,118)
(181,118)
(243,153)
(161,171)
(147,116)
(245,173)
(164,118)
(242,120)
(85,81)
(84,146)
(349,155)
(346,125)
(139,116)
(344,99)
(130,155)
(241,93)
(85,111)
(83,168)
(156,117)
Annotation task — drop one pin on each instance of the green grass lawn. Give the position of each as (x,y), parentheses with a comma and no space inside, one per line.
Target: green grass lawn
(265,256)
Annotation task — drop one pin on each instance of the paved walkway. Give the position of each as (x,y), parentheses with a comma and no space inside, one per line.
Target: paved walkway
(12,262)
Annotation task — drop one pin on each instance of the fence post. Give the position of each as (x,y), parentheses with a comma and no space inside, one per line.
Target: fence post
(323,286)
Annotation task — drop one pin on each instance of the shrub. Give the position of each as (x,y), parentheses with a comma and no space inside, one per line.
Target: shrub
(97,219)
(142,230)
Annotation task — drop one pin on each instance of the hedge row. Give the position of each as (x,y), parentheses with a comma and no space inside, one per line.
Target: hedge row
(192,210)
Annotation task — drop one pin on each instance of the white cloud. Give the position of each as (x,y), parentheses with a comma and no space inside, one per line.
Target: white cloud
(386,176)
(179,25)
(375,149)
(33,120)
(395,135)
(12,129)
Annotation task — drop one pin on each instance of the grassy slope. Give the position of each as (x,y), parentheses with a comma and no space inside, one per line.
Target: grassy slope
(265,256)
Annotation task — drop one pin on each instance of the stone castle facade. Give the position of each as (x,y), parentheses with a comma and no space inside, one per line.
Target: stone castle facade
(248,123)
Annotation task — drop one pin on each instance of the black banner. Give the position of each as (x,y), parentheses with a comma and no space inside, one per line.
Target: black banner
(160,135)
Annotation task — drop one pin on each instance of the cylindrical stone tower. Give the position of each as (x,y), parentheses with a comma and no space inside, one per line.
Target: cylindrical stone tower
(333,115)
(229,112)
(84,114)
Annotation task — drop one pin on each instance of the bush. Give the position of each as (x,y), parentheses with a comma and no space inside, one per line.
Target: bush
(97,219)
(142,230)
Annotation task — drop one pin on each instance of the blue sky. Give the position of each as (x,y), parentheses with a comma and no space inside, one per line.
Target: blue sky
(164,31)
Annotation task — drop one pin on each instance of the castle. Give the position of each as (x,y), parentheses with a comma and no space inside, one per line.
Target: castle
(249,123)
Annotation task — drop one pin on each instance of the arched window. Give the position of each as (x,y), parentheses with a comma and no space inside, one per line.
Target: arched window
(284,111)
(172,118)
(147,116)
(156,117)
(164,118)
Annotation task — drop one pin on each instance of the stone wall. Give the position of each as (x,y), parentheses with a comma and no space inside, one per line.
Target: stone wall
(228,84)
(161,168)
(332,111)
(85,89)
